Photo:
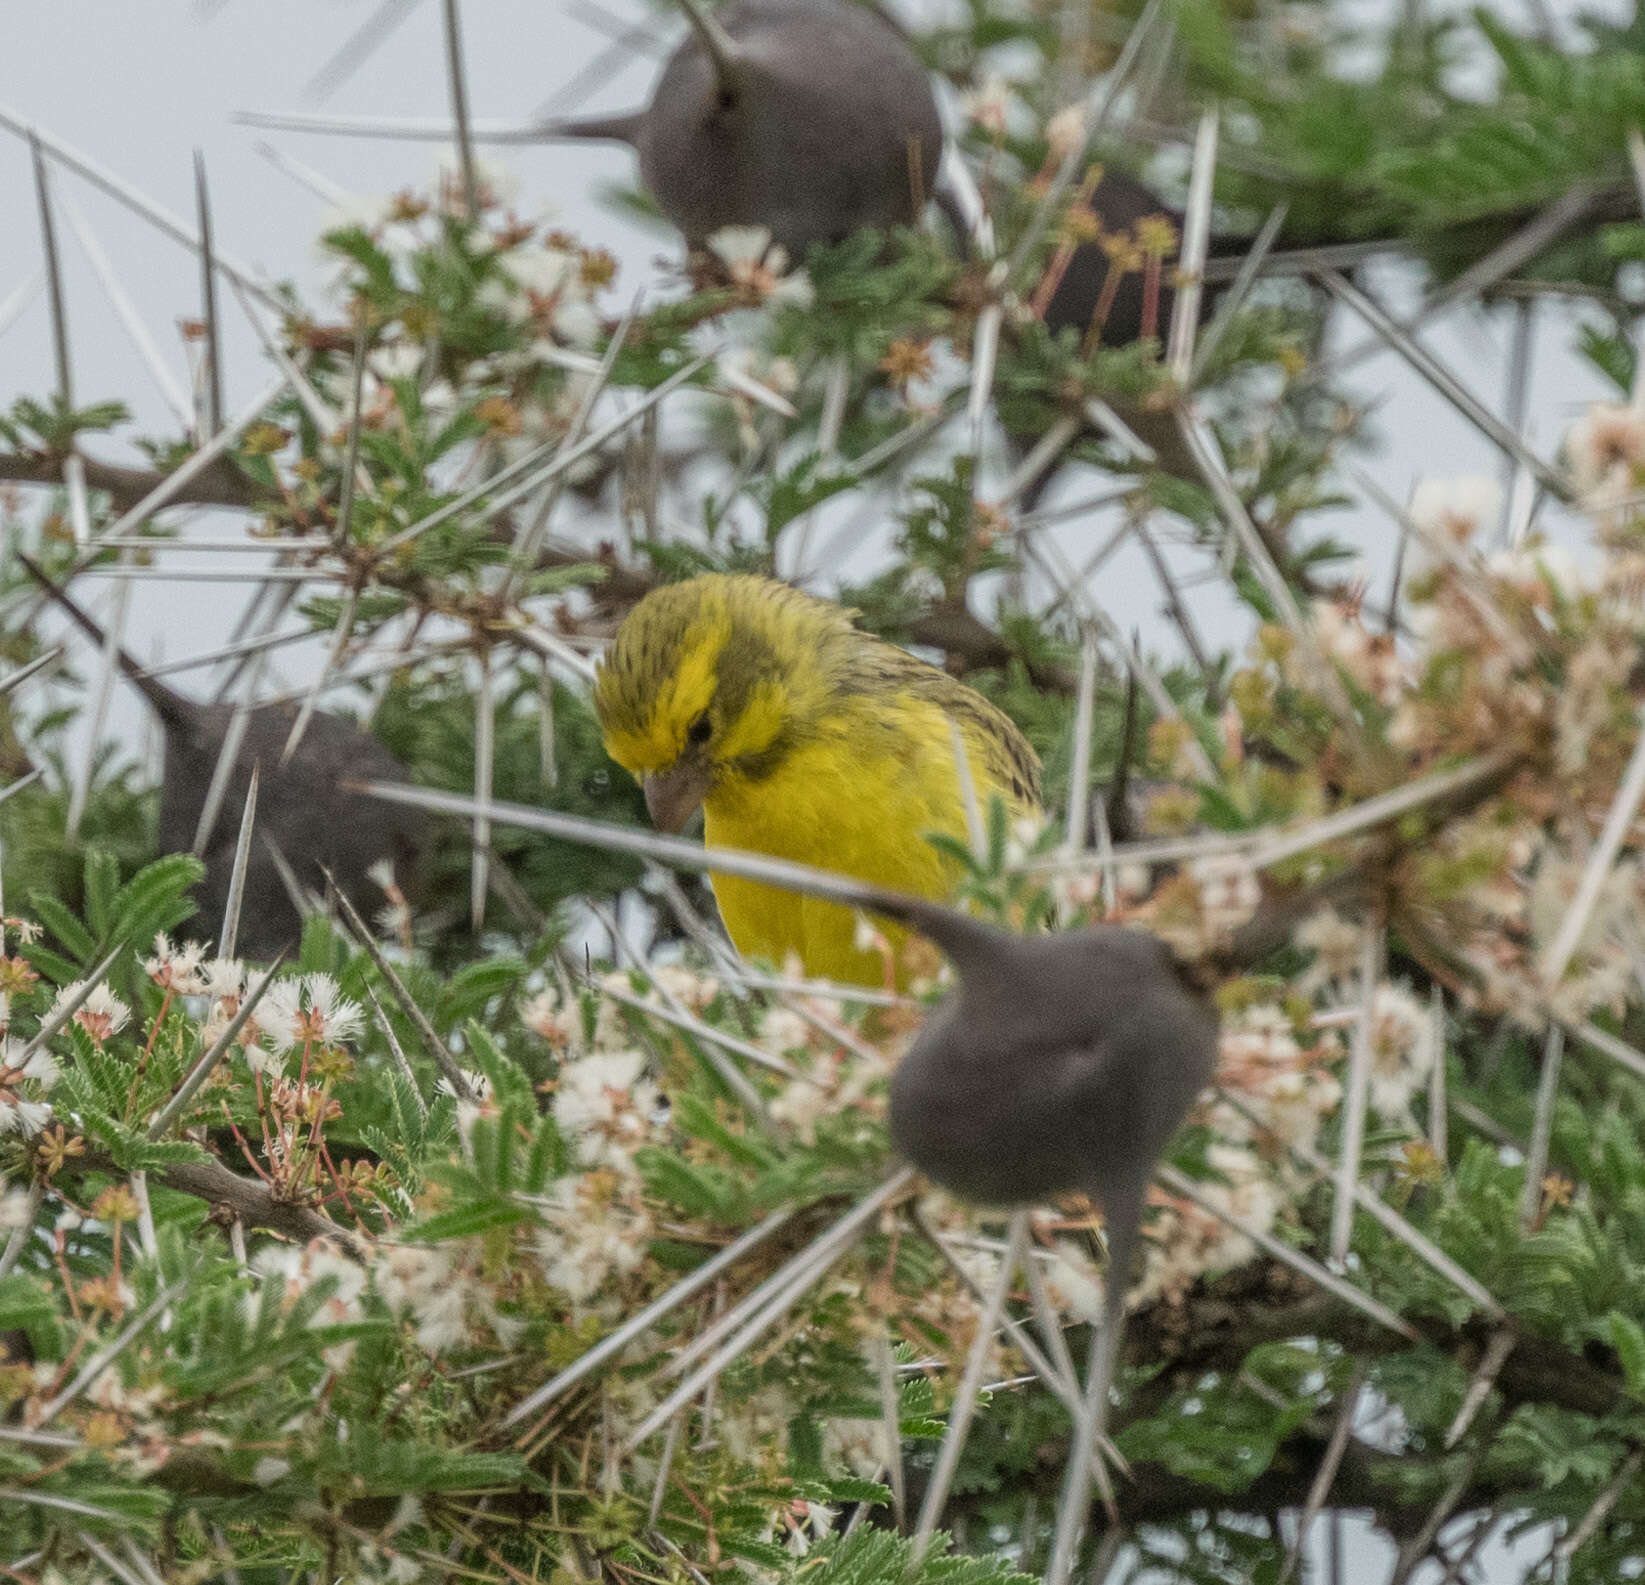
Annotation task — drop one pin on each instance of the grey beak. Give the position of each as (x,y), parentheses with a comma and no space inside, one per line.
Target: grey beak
(673,796)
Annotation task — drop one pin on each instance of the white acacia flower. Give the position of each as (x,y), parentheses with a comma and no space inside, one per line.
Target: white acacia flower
(1075,1287)
(801,1104)
(588,1241)
(102,1014)
(540,272)
(1453,511)
(16,1207)
(402,360)
(1187,1241)
(989,107)
(176,968)
(1402,1049)
(1536,571)
(1065,131)
(223,979)
(604,1105)
(19,1114)
(296,1270)
(695,991)
(1606,450)
(1229,891)
(785,1031)
(422,1282)
(307,1009)
(1336,946)
(758,267)
(544,1014)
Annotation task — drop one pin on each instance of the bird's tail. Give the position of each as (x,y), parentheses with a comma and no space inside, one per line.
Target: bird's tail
(172,708)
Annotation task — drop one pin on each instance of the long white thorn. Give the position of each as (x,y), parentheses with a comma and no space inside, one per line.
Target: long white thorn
(965,1394)
(108,663)
(1356,1102)
(123,192)
(242,859)
(1196,243)
(126,310)
(1618,819)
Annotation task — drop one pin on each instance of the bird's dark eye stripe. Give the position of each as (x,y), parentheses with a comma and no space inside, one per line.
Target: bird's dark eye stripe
(700,729)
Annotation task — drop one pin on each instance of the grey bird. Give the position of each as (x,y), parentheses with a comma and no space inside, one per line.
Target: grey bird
(301,809)
(1062,1063)
(812,118)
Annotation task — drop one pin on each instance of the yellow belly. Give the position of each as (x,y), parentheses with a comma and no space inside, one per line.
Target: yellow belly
(861,808)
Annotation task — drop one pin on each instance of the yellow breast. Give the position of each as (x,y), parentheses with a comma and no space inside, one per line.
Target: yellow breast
(860,800)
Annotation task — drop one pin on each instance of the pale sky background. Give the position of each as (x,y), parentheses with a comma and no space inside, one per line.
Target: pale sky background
(139,87)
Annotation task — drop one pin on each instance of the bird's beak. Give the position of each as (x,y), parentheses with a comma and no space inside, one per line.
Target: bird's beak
(674,795)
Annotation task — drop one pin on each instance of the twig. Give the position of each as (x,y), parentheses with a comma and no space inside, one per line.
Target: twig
(1320,1488)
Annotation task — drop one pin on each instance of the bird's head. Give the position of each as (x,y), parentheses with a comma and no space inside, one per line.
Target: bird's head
(712,682)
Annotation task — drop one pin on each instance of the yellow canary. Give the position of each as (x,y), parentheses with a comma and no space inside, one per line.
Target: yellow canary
(802,737)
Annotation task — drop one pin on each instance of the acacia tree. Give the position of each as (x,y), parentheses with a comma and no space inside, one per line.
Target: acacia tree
(442,1250)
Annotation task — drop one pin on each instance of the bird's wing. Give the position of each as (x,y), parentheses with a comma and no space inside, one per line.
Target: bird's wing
(1009,760)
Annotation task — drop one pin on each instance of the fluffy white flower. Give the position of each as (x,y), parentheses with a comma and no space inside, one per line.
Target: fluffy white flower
(1402,1049)
(540,272)
(604,1105)
(16,1209)
(269,1470)
(989,107)
(177,968)
(1228,888)
(758,267)
(296,1270)
(20,1113)
(102,1014)
(1074,1284)
(785,1031)
(1187,1242)
(309,1008)
(547,1016)
(1536,571)
(1606,450)
(588,1240)
(1065,131)
(422,1281)
(1453,511)
(223,979)
(400,361)
(1336,946)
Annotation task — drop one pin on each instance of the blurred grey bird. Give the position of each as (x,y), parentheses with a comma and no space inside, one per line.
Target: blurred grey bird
(812,118)
(1062,1063)
(301,809)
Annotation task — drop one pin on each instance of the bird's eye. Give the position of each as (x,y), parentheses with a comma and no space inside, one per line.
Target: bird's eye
(699,730)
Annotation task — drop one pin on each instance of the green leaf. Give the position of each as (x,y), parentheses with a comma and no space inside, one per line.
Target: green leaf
(1628,1338)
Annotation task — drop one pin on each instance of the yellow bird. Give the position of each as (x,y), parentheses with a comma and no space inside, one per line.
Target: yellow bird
(803,737)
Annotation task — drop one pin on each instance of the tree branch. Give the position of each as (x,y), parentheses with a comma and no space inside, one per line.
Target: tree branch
(239,1199)
(222,484)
